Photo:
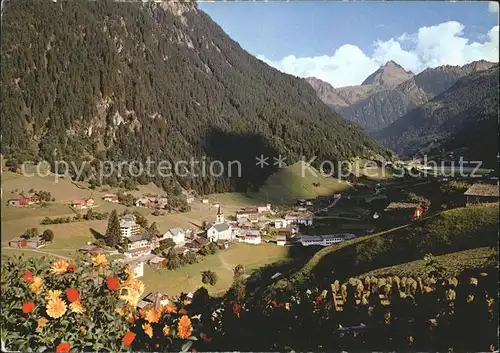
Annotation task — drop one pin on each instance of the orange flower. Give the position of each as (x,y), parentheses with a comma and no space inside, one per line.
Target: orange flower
(99,260)
(36,285)
(148,330)
(169,308)
(42,322)
(166,330)
(128,338)
(59,267)
(72,294)
(151,315)
(63,347)
(77,307)
(56,308)
(184,328)
(28,276)
(28,307)
(112,283)
(130,318)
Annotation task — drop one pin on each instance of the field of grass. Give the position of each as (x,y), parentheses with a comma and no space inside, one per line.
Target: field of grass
(453,264)
(296,181)
(450,231)
(188,278)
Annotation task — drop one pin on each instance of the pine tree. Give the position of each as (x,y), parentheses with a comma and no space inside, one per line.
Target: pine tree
(113,237)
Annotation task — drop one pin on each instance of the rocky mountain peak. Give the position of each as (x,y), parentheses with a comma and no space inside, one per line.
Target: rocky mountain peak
(391,74)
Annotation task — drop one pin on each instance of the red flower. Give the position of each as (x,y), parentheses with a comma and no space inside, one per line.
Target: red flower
(183,312)
(63,347)
(275,305)
(128,338)
(28,307)
(27,276)
(206,339)
(73,295)
(112,283)
(236,308)
(319,299)
(281,305)
(71,267)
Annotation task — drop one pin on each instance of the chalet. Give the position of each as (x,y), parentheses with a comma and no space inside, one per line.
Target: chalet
(18,242)
(305,218)
(280,223)
(82,204)
(404,211)
(250,236)
(32,198)
(90,249)
(138,252)
(143,202)
(481,193)
(139,241)
(281,240)
(157,298)
(197,243)
(264,208)
(128,226)
(35,242)
(158,262)
(110,198)
(17,200)
(251,214)
(178,235)
(286,232)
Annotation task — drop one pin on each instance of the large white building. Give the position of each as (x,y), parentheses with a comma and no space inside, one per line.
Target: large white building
(128,226)
(178,235)
(220,230)
(324,240)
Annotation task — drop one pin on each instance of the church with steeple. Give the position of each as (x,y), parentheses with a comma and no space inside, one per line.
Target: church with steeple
(220,230)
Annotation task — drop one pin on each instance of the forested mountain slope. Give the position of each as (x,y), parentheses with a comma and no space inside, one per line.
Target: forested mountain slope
(464,118)
(131,80)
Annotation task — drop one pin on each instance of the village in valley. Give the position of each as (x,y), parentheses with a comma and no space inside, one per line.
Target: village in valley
(218,233)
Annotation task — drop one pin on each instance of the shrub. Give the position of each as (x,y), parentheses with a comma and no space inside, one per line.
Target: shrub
(209,277)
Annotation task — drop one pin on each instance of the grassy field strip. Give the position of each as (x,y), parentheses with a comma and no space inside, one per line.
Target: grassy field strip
(327,250)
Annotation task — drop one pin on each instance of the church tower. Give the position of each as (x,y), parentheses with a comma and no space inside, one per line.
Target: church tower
(220,216)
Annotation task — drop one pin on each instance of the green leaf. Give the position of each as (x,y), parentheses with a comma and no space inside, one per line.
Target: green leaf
(185,347)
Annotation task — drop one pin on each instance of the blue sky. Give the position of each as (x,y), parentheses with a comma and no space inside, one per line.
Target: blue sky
(300,30)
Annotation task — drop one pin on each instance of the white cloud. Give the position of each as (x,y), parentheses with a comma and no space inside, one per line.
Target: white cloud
(443,44)
(493,6)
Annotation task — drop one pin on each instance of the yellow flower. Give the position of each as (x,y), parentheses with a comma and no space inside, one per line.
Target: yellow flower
(131,297)
(151,315)
(36,285)
(83,330)
(42,322)
(470,298)
(166,330)
(59,267)
(99,260)
(56,308)
(77,307)
(52,294)
(473,281)
(148,330)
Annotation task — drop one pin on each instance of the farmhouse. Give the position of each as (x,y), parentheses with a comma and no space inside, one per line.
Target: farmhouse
(158,262)
(481,193)
(128,226)
(90,249)
(17,200)
(252,214)
(138,252)
(404,211)
(204,200)
(305,218)
(35,242)
(17,242)
(280,223)
(250,236)
(264,208)
(178,235)
(281,240)
(110,198)
(197,243)
(82,204)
